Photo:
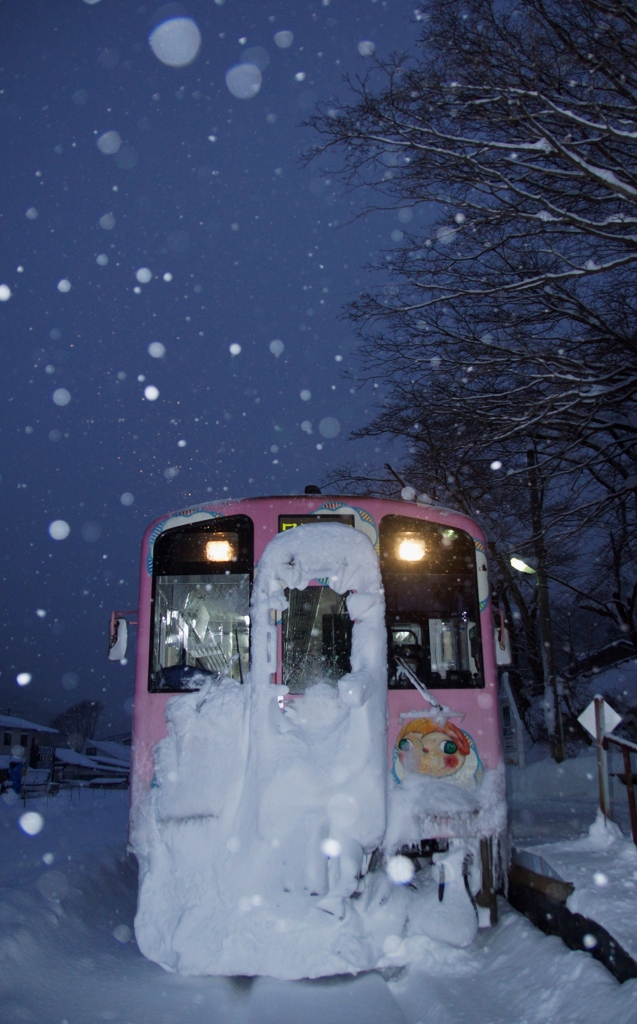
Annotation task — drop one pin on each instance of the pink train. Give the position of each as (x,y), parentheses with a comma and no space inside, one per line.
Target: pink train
(197,570)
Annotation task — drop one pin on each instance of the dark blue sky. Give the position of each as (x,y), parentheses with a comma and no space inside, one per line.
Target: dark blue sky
(206,188)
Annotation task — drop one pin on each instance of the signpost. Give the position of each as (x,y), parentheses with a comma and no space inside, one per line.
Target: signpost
(599,719)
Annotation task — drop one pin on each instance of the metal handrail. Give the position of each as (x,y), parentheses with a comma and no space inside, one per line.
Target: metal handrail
(627,748)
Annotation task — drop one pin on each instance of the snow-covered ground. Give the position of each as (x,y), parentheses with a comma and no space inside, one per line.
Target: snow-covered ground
(67,952)
(553,817)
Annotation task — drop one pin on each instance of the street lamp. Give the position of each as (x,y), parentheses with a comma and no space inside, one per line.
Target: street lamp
(521,566)
(551,688)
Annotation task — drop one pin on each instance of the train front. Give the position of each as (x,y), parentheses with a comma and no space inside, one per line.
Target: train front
(325,729)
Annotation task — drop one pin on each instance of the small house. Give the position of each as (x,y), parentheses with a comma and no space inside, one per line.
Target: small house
(26,741)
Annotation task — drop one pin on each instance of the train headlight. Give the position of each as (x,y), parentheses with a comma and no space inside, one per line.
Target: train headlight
(221,549)
(410,548)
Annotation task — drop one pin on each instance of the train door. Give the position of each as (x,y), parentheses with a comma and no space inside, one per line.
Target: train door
(318,588)
(316,629)
(316,637)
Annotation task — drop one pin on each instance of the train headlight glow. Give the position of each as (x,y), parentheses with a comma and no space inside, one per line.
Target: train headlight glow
(220,550)
(411,548)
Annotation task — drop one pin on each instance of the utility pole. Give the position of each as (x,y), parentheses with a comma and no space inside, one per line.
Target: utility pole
(551,691)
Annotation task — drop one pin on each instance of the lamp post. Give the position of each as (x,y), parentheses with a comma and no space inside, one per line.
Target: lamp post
(551,687)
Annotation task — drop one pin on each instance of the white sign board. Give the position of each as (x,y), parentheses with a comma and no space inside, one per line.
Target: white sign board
(610,719)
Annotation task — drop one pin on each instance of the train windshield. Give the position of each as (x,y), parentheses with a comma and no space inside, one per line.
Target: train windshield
(431,595)
(317,638)
(202,576)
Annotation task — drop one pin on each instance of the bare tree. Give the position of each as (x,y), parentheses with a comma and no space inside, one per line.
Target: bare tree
(516,307)
(502,504)
(78,723)
(509,140)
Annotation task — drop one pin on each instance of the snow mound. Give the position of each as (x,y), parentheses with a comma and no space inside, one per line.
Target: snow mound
(414,808)
(602,834)
(602,866)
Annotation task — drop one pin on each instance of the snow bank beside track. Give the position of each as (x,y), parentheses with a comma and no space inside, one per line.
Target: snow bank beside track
(60,961)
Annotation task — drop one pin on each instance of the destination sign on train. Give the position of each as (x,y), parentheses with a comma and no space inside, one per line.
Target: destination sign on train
(289,522)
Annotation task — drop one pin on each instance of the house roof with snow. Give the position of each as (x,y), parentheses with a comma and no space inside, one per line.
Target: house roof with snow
(69,756)
(123,738)
(108,748)
(110,762)
(106,765)
(9,722)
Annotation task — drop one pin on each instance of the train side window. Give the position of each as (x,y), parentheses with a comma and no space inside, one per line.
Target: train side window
(317,638)
(431,596)
(202,574)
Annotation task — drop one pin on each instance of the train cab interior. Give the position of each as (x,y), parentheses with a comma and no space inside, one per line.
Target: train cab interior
(202,581)
(431,597)
(200,627)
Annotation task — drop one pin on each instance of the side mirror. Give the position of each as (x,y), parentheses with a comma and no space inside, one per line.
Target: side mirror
(117,638)
(502,643)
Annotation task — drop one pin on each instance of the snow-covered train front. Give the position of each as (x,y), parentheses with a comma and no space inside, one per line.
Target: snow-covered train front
(317,780)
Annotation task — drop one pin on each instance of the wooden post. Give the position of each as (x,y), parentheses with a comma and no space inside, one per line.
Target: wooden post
(487,895)
(602,758)
(631,793)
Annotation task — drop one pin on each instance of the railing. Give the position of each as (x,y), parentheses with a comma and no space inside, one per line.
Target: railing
(627,748)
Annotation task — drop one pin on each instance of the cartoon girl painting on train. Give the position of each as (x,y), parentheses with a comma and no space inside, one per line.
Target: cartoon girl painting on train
(427,747)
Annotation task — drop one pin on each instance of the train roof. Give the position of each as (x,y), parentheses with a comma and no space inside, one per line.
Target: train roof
(316,501)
